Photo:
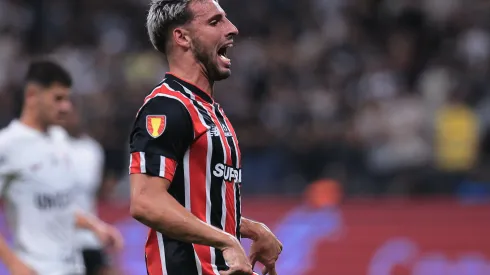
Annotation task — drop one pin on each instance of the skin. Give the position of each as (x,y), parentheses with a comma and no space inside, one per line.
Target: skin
(192,54)
(43,107)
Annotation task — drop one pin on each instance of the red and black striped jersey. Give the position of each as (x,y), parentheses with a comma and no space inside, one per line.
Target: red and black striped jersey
(183,135)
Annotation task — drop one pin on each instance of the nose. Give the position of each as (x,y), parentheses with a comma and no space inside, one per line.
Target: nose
(232,30)
(66,106)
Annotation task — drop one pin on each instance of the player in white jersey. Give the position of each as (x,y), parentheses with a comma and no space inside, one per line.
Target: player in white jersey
(88,156)
(37,182)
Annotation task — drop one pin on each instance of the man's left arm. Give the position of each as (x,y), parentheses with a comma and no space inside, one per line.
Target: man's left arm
(108,234)
(265,246)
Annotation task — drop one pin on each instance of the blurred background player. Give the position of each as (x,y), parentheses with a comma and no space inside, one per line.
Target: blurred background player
(38,184)
(88,157)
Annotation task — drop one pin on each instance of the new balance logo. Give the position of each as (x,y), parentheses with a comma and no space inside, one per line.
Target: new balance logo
(215,132)
(228,173)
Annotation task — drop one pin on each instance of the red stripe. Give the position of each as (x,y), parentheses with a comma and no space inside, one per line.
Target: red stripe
(152,251)
(230,225)
(197,160)
(170,167)
(135,166)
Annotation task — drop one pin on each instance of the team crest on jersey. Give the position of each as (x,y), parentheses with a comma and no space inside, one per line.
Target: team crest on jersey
(155,125)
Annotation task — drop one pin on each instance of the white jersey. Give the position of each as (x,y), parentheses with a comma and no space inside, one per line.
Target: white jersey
(88,158)
(37,185)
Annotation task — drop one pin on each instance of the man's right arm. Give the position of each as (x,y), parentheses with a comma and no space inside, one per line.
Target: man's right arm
(7,256)
(153,206)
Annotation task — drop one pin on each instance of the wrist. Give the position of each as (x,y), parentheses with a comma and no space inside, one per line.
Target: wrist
(227,241)
(252,230)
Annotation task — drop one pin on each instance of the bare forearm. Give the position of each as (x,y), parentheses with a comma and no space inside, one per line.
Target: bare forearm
(7,256)
(250,229)
(164,214)
(86,221)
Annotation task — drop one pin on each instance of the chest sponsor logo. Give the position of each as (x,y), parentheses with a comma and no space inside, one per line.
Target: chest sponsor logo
(228,173)
(155,125)
(45,201)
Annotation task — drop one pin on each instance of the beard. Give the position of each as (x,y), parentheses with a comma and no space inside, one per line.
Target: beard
(208,58)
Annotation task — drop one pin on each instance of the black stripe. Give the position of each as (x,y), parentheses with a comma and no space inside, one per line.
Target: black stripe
(177,188)
(238,210)
(179,257)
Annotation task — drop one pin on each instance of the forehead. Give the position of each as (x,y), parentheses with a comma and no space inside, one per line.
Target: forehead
(206,8)
(57,88)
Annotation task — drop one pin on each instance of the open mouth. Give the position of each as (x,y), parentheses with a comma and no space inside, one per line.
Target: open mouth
(223,53)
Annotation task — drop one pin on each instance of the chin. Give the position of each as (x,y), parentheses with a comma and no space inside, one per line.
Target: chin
(220,74)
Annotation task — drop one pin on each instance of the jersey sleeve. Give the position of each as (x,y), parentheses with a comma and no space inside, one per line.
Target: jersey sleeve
(162,132)
(7,171)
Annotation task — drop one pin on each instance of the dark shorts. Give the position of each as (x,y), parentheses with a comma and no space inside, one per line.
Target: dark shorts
(95,261)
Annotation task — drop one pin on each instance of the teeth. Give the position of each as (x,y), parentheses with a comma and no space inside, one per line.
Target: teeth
(224,58)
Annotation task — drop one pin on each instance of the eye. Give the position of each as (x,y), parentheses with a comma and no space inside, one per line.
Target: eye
(215,20)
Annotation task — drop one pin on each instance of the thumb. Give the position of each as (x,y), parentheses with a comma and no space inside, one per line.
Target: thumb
(265,271)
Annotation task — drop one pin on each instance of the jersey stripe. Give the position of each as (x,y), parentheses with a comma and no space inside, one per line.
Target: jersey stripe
(167,168)
(150,96)
(155,254)
(237,186)
(142,162)
(137,163)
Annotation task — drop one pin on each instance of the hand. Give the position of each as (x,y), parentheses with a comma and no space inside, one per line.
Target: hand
(265,249)
(110,236)
(236,259)
(19,268)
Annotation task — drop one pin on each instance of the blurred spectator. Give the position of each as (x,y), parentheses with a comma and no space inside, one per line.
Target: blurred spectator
(457,142)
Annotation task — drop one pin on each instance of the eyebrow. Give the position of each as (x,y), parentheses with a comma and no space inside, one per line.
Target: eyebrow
(217,16)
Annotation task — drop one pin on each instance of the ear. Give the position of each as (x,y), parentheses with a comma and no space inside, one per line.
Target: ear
(181,37)
(31,91)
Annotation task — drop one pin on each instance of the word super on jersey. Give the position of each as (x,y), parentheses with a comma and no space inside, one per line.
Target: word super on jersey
(182,135)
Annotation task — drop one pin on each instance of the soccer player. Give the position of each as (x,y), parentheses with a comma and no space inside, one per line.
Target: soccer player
(185,157)
(87,156)
(37,182)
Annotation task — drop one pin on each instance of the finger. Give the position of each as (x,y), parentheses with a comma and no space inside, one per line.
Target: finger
(225,272)
(272,271)
(253,259)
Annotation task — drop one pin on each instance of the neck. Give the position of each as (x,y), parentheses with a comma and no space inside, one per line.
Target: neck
(193,73)
(31,121)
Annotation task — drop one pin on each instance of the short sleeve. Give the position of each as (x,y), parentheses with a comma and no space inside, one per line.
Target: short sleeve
(7,172)
(160,137)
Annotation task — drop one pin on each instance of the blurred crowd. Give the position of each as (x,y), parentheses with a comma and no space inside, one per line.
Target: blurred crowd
(384,96)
